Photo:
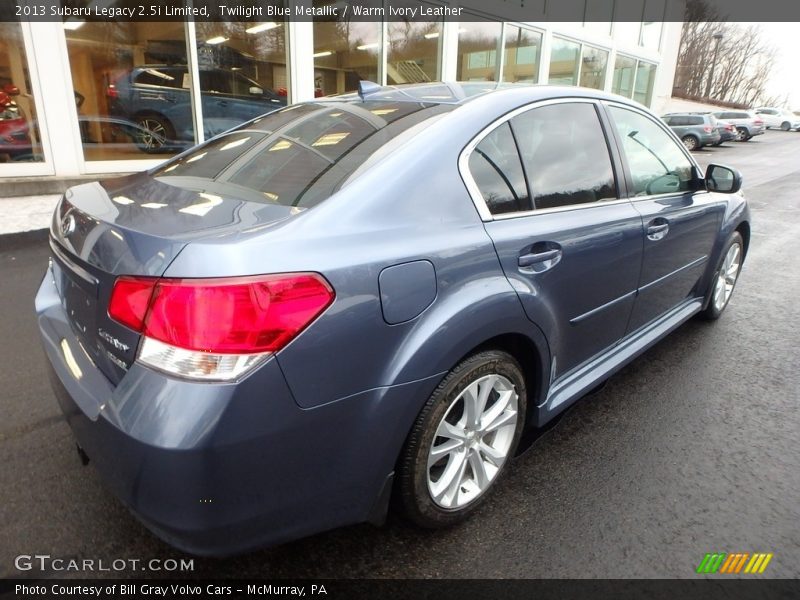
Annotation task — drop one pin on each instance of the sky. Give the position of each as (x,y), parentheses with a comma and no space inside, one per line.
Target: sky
(785,37)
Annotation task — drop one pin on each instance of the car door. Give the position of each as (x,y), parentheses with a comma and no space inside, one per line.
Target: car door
(680,219)
(568,244)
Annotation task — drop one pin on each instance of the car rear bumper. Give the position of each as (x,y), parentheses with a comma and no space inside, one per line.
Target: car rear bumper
(216,469)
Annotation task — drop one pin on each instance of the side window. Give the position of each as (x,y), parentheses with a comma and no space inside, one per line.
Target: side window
(564,151)
(496,169)
(215,81)
(657,162)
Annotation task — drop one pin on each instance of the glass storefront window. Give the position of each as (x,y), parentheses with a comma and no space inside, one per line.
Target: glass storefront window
(242,72)
(564,57)
(19,131)
(523,49)
(131,88)
(344,54)
(624,71)
(477,51)
(413,50)
(593,67)
(645,78)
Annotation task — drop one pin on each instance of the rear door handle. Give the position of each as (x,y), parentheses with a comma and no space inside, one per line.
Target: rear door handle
(657,229)
(533,258)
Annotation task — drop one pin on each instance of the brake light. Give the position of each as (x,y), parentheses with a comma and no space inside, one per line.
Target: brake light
(112,91)
(758,122)
(217,328)
(708,129)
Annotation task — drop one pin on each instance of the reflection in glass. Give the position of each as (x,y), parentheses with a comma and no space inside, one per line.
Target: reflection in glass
(19,133)
(344,54)
(645,78)
(477,51)
(523,48)
(565,155)
(495,166)
(413,49)
(593,67)
(242,72)
(131,88)
(624,71)
(564,62)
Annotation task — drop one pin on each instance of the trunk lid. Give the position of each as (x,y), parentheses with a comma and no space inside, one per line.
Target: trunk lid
(134,225)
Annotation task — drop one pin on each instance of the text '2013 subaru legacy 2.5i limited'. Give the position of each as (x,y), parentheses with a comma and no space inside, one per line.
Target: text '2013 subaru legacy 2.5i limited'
(270,334)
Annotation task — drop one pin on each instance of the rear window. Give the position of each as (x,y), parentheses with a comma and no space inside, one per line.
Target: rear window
(297,156)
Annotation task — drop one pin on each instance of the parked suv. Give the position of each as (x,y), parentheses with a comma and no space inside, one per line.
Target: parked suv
(747,123)
(157,99)
(695,130)
(779,117)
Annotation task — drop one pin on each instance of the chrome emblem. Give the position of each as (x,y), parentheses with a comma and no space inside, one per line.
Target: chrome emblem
(68,224)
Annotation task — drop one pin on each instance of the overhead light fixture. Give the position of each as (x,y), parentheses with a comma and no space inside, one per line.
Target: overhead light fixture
(367,46)
(73,25)
(431,36)
(216,40)
(262,27)
(323,53)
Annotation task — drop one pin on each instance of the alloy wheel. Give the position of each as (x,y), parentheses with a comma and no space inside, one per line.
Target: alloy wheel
(726,276)
(154,135)
(472,441)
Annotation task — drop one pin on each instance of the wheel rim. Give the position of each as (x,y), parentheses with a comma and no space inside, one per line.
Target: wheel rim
(154,134)
(740,135)
(726,277)
(689,143)
(785,127)
(472,441)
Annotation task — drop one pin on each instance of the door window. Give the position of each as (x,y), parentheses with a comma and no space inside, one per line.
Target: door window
(565,154)
(657,162)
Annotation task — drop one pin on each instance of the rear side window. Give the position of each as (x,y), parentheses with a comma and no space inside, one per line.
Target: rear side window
(695,120)
(565,155)
(496,169)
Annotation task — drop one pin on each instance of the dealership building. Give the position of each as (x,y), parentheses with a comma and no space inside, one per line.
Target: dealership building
(80,99)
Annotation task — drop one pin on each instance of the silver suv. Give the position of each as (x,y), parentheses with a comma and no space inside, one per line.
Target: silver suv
(747,123)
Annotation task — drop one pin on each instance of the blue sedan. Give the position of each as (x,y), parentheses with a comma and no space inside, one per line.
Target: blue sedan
(274,332)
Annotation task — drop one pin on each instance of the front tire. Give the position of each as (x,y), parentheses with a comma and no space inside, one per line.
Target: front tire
(725,277)
(462,440)
(154,134)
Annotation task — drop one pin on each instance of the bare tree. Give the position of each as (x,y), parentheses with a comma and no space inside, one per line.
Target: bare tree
(743,60)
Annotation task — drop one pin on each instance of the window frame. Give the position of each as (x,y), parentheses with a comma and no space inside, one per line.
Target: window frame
(609,136)
(698,172)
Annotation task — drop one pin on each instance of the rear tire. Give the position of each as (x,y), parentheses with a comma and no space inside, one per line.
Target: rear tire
(462,440)
(691,142)
(725,277)
(742,135)
(155,134)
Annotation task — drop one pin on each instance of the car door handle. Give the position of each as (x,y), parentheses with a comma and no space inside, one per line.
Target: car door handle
(657,230)
(533,258)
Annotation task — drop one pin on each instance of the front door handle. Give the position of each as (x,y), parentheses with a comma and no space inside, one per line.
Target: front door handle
(533,258)
(657,229)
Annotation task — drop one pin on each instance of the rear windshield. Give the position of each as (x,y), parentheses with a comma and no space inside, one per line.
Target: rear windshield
(297,156)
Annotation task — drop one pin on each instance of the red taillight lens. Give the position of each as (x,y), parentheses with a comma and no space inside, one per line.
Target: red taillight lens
(708,129)
(112,91)
(759,122)
(130,299)
(238,315)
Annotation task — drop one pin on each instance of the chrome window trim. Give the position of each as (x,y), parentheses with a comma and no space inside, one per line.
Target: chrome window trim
(473,189)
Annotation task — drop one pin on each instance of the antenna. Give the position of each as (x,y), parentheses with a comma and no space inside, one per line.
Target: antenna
(365,88)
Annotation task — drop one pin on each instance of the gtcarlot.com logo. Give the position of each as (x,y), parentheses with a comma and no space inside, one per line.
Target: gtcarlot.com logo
(46,562)
(735,563)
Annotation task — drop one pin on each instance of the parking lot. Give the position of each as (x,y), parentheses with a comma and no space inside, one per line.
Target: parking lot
(691,449)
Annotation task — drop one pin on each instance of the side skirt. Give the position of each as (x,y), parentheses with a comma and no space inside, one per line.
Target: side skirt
(571,386)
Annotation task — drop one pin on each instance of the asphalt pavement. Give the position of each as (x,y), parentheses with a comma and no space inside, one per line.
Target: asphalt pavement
(693,448)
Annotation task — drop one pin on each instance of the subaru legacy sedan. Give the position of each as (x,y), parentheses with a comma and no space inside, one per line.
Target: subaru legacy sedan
(368,296)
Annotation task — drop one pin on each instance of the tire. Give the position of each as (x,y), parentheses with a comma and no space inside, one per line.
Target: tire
(742,135)
(725,277)
(154,134)
(786,126)
(691,142)
(427,498)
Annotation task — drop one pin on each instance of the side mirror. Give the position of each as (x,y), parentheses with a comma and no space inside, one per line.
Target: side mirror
(725,180)
(256,91)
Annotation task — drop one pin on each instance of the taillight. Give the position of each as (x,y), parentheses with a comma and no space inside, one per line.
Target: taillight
(112,91)
(758,122)
(708,129)
(217,328)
